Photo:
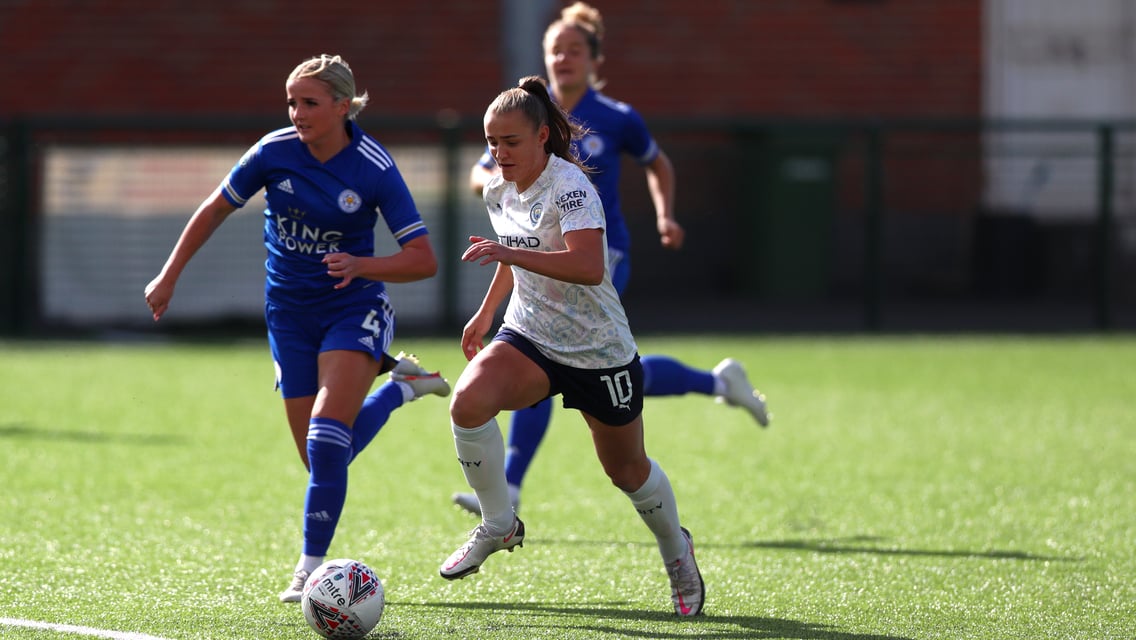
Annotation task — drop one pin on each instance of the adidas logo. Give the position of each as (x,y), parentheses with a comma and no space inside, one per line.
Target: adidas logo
(286,186)
(321,516)
(368,341)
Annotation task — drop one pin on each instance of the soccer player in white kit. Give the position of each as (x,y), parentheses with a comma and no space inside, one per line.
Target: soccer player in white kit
(564,333)
(573,54)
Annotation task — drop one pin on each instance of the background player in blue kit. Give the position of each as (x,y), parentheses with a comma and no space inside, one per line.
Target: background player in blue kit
(330,322)
(572,55)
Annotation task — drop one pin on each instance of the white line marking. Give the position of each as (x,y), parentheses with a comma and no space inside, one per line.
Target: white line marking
(71,628)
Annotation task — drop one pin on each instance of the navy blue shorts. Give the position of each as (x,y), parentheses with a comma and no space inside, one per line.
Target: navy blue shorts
(619,264)
(298,337)
(612,396)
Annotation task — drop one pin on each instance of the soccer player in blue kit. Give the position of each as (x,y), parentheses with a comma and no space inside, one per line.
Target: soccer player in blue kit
(330,322)
(572,55)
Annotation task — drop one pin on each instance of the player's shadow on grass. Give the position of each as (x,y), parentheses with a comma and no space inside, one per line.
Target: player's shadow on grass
(874,545)
(607,617)
(22,432)
(852,544)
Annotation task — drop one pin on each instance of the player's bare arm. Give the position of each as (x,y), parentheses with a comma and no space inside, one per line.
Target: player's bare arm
(473,335)
(208,217)
(661,186)
(415,261)
(581,263)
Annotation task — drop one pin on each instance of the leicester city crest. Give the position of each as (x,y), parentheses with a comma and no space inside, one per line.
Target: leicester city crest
(536,212)
(592,145)
(349,201)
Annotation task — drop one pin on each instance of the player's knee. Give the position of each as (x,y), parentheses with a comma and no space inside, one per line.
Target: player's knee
(470,409)
(628,476)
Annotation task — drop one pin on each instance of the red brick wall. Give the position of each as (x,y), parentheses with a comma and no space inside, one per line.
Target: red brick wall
(167,56)
(670,58)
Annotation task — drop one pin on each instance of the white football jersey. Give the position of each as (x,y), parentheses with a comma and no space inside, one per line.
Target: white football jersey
(576,325)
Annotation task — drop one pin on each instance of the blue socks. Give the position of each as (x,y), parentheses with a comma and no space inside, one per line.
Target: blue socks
(525,433)
(665,376)
(332,446)
(376,410)
(329,450)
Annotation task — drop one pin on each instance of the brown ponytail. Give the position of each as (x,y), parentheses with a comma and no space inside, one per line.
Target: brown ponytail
(531,97)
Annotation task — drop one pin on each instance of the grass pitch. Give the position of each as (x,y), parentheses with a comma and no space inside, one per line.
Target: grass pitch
(909,487)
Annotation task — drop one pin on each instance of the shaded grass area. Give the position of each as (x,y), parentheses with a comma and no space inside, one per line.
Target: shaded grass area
(909,487)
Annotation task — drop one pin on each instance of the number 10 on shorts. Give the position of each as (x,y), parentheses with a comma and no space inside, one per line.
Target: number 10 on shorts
(619,386)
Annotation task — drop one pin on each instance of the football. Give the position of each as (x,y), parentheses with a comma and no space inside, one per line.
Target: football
(343,599)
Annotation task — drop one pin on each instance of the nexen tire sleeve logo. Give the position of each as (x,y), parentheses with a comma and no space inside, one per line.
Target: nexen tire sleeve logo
(572,200)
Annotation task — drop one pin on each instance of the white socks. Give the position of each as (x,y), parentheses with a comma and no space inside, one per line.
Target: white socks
(407,391)
(481,451)
(719,386)
(309,563)
(656,505)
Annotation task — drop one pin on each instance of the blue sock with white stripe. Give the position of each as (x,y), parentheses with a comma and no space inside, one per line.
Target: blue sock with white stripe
(665,376)
(376,410)
(329,449)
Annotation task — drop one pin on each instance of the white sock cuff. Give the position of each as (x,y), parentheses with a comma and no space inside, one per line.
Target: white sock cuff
(650,485)
(475,434)
(719,386)
(309,563)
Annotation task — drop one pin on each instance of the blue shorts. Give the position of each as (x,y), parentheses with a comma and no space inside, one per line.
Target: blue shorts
(619,263)
(298,337)
(612,396)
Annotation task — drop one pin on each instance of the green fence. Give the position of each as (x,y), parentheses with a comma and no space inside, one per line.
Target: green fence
(846,225)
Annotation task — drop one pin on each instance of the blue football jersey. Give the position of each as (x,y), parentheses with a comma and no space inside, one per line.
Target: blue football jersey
(317,208)
(614,128)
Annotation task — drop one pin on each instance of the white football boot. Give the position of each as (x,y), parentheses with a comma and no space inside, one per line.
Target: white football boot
(423,382)
(688,592)
(296,589)
(739,391)
(481,544)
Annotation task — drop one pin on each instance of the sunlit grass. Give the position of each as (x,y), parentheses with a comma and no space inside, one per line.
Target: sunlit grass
(909,487)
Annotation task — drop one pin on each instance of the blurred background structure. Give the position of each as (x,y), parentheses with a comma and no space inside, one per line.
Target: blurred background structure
(843,165)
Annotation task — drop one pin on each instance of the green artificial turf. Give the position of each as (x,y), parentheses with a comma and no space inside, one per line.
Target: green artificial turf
(909,487)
